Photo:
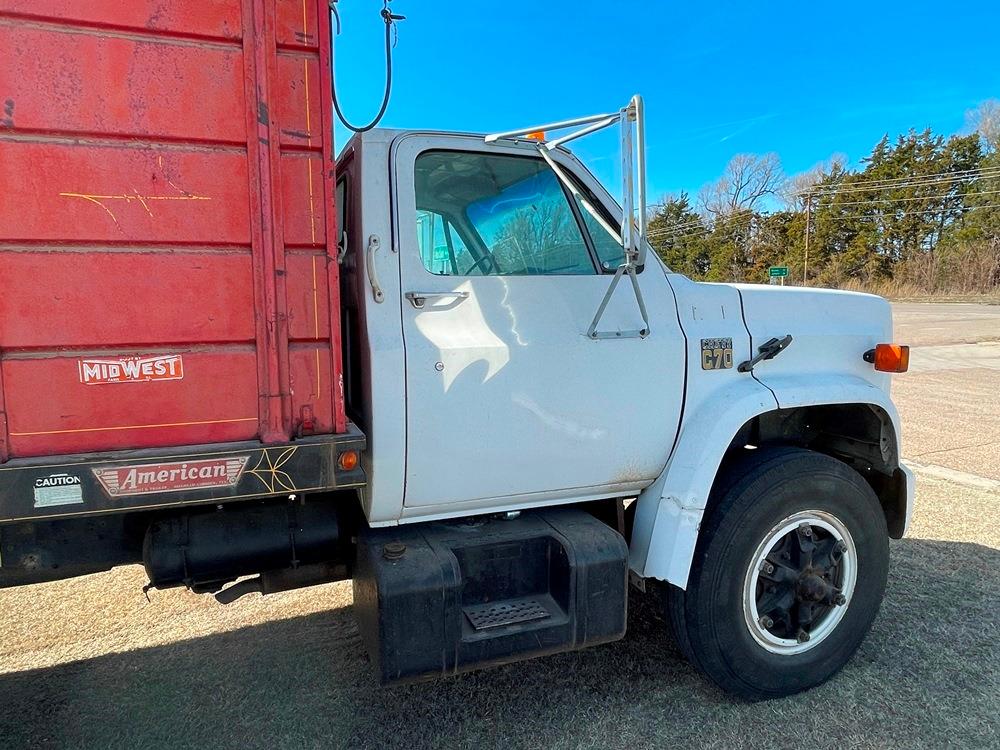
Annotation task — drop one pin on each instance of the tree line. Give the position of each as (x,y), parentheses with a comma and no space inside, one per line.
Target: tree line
(921,215)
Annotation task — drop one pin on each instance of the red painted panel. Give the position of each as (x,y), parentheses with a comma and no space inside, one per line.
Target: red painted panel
(299,98)
(308,301)
(96,299)
(332,230)
(303,201)
(57,191)
(214,18)
(86,82)
(153,204)
(215,401)
(296,23)
(311,384)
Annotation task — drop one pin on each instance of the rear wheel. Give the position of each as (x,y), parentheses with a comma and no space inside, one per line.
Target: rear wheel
(788,574)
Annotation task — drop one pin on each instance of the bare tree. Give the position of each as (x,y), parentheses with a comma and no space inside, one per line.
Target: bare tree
(985,120)
(794,190)
(746,180)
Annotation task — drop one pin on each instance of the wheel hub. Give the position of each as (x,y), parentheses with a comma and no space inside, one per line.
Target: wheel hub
(799,582)
(812,588)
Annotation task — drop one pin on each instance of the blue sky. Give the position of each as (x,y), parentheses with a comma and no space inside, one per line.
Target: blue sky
(804,80)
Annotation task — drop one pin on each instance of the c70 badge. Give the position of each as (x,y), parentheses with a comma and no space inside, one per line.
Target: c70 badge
(716,354)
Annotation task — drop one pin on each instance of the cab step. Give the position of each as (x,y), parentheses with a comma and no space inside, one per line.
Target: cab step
(502,614)
(443,598)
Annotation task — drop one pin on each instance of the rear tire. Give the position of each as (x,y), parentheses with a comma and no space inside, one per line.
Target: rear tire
(787,577)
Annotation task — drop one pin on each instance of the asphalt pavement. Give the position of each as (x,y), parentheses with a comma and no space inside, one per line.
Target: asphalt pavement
(949,401)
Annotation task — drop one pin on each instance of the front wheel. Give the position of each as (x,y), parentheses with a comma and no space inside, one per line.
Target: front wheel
(788,574)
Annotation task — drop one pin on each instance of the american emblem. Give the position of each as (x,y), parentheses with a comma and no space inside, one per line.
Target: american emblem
(145,479)
(131,369)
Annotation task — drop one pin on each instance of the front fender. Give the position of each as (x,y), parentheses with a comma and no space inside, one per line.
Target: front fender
(669,511)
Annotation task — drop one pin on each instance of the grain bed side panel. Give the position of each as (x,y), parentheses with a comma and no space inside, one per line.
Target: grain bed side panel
(164,198)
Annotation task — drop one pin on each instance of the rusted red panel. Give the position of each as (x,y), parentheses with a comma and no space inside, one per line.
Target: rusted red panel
(308,302)
(63,192)
(299,99)
(297,23)
(310,379)
(92,83)
(208,18)
(50,411)
(329,199)
(178,296)
(263,156)
(155,205)
(303,210)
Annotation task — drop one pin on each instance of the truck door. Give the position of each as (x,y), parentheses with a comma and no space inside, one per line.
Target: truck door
(508,401)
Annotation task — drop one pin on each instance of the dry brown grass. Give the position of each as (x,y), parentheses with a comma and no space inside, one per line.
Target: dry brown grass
(905,291)
(967,272)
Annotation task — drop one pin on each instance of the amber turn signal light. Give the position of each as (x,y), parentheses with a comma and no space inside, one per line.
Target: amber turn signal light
(889,357)
(348,460)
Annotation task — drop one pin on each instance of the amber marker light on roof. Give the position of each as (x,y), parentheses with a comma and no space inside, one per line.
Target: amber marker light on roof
(538,135)
(889,357)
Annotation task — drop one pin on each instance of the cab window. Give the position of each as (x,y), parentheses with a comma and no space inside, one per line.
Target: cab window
(494,215)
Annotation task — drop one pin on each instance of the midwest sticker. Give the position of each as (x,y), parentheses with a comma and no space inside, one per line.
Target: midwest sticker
(131,369)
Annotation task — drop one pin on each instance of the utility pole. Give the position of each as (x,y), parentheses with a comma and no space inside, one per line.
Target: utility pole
(805,264)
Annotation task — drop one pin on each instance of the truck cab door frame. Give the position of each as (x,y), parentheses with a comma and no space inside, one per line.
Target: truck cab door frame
(511,425)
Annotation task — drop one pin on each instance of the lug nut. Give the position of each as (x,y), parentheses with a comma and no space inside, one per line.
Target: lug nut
(840,600)
(841,547)
(805,529)
(766,622)
(766,567)
(802,636)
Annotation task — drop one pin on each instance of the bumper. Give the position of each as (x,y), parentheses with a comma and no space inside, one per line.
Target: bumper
(907,493)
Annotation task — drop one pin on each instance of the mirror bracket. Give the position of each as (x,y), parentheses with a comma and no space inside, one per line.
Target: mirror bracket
(632,238)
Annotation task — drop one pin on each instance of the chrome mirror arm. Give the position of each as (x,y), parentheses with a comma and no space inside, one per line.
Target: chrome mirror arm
(631,237)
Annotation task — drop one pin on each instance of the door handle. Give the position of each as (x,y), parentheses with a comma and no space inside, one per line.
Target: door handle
(417,299)
(373,246)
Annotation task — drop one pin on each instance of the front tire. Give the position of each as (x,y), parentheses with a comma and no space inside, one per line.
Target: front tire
(788,574)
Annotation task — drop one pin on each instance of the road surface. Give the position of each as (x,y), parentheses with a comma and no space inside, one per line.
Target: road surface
(950,400)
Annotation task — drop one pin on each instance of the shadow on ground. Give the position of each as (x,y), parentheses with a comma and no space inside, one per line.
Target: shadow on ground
(929,675)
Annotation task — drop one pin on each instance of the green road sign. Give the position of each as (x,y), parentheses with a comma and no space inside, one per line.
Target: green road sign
(775,271)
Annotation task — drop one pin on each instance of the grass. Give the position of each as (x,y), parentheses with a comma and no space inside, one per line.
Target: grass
(901,291)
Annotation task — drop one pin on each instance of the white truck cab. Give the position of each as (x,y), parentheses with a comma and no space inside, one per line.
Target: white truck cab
(497,366)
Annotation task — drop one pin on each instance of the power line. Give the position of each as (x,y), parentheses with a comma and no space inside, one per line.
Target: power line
(901,182)
(901,185)
(679,231)
(683,226)
(744,221)
(733,224)
(917,198)
(964,210)
(949,173)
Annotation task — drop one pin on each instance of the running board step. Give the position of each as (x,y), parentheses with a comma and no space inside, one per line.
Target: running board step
(501,614)
(445,597)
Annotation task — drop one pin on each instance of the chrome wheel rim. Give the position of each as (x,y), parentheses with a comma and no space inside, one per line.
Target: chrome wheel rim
(800,582)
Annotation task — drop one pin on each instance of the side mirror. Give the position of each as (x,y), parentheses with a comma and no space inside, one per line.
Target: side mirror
(631,236)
